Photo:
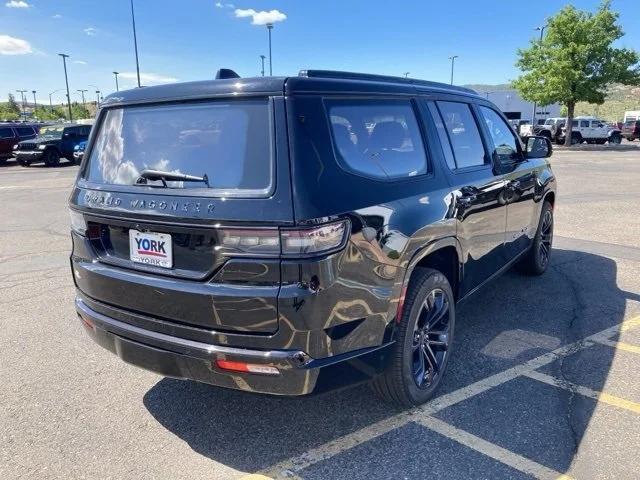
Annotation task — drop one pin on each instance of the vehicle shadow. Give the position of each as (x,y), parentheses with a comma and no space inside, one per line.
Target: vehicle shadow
(12,162)
(514,319)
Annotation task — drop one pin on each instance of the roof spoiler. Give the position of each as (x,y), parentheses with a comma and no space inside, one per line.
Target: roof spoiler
(226,73)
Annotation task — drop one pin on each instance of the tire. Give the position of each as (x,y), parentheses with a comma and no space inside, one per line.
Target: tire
(23,163)
(536,261)
(424,337)
(615,139)
(576,138)
(51,157)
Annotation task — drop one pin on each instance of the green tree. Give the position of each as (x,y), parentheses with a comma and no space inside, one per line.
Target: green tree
(12,105)
(576,60)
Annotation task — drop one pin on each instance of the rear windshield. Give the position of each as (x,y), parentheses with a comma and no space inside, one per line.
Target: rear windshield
(230,142)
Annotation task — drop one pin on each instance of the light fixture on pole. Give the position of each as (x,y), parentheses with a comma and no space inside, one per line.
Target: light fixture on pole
(269,28)
(116,75)
(406,74)
(50,102)
(135,42)
(535,104)
(453,60)
(97,94)
(262,57)
(66,81)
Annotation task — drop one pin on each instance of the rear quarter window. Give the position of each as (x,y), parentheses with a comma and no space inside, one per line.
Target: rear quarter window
(230,142)
(379,139)
(6,133)
(25,131)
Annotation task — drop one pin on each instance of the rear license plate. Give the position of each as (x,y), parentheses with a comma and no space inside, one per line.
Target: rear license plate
(150,248)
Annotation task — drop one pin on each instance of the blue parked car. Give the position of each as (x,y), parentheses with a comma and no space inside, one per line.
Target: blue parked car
(78,152)
(52,143)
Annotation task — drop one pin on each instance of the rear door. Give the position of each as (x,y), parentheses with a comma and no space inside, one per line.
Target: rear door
(213,230)
(480,206)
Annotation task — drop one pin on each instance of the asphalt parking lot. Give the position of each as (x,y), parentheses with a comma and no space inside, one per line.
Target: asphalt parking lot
(544,382)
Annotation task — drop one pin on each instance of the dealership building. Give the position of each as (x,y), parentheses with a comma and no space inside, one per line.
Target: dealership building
(515,107)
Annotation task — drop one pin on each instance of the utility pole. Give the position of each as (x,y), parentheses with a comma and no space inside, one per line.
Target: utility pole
(66,80)
(453,59)
(24,111)
(262,57)
(535,104)
(116,75)
(269,28)
(135,43)
(35,105)
(82,93)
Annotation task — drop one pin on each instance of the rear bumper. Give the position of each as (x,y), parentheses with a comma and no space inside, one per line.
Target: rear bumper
(187,359)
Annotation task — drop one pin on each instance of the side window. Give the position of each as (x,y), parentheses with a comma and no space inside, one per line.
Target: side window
(584,123)
(442,135)
(85,131)
(6,133)
(463,134)
(378,138)
(24,131)
(506,149)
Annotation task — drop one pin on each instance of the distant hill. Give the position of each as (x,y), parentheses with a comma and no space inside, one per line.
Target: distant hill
(619,99)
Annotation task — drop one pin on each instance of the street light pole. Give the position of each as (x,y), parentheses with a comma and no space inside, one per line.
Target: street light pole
(535,104)
(116,75)
(66,80)
(453,59)
(35,104)
(24,111)
(406,74)
(135,42)
(51,103)
(269,28)
(262,57)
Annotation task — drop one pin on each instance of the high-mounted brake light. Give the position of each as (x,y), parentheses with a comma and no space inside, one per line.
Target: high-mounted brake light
(246,367)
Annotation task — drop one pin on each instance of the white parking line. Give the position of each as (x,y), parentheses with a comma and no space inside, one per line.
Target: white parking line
(491,450)
(294,465)
(627,347)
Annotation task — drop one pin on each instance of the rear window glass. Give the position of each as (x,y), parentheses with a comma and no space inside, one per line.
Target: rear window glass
(6,133)
(230,142)
(378,138)
(25,131)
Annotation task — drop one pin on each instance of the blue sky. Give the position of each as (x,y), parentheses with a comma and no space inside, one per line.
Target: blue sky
(191,39)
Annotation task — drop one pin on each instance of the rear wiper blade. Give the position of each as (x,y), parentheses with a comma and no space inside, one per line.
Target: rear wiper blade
(169,176)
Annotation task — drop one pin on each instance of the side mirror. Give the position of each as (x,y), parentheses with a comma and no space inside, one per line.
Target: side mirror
(538,147)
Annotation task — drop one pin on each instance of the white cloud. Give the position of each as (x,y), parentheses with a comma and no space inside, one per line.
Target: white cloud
(224,5)
(14,46)
(91,31)
(57,15)
(80,62)
(148,78)
(17,4)
(261,17)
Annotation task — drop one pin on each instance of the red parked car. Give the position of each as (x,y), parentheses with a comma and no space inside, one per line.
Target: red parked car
(631,130)
(11,134)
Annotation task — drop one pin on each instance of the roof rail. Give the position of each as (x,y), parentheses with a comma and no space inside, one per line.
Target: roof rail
(380,78)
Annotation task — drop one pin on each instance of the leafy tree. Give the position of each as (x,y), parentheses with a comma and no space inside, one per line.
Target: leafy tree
(576,60)
(12,105)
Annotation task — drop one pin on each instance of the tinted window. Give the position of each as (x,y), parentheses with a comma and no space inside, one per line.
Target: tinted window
(25,131)
(230,142)
(463,133)
(6,133)
(504,141)
(442,135)
(378,138)
(584,123)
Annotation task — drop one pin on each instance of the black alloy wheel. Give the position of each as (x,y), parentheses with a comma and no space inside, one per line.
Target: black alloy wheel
(430,339)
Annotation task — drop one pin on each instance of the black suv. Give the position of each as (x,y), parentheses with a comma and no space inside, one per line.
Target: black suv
(291,235)
(52,142)
(11,134)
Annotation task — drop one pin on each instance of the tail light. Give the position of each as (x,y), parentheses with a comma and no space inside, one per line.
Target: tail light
(78,223)
(297,242)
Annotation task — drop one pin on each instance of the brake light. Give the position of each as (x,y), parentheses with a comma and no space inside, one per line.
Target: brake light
(313,241)
(290,242)
(246,367)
